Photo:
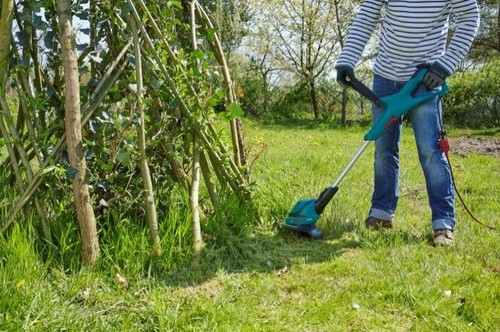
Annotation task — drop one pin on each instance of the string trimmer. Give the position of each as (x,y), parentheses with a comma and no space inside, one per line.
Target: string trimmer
(305,213)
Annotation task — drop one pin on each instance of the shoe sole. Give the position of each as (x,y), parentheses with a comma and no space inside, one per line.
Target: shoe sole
(380,225)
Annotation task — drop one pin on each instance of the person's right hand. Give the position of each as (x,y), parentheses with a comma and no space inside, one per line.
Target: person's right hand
(345,75)
(435,76)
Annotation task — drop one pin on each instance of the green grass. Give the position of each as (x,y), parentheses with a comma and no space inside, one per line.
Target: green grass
(269,280)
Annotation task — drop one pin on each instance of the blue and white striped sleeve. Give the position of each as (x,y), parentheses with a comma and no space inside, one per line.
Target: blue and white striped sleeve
(360,32)
(467,25)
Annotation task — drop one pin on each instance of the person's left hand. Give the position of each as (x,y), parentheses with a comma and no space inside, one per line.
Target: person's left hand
(345,75)
(435,76)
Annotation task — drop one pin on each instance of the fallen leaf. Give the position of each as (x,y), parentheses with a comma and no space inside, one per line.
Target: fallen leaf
(20,283)
(84,293)
(121,280)
(281,271)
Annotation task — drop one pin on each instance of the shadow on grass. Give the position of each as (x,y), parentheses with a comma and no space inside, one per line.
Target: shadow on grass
(489,132)
(390,238)
(259,254)
(312,123)
(271,253)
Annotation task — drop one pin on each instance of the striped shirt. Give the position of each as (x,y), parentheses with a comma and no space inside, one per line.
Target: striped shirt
(413,32)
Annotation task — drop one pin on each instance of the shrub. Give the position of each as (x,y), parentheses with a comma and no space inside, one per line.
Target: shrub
(473,100)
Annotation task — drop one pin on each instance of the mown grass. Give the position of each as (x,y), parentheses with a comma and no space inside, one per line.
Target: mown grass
(270,280)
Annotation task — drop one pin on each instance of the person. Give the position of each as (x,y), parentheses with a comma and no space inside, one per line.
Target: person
(413,33)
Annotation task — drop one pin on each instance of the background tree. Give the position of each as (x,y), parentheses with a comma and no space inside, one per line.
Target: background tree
(306,39)
(344,14)
(258,69)
(486,45)
(473,98)
(230,17)
(299,44)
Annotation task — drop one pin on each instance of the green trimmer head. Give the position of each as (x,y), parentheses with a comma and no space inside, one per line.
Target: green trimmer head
(305,213)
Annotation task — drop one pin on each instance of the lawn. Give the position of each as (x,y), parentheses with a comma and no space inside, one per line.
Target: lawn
(350,280)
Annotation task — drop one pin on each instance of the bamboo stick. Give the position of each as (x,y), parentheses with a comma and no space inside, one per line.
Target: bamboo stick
(141,133)
(195,185)
(213,132)
(185,110)
(236,132)
(205,170)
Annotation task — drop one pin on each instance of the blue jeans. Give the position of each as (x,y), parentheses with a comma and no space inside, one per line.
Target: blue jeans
(425,120)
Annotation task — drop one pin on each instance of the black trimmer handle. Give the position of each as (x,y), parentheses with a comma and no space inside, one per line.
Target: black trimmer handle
(364,91)
(324,198)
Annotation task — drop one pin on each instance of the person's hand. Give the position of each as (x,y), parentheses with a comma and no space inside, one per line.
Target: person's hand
(345,74)
(435,76)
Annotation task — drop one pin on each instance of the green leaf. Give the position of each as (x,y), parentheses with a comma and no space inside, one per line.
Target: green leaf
(233,111)
(174,103)
(124,158)
(215,98)
(156,84)
(211,34)
(49,169)
(167,13)
(71,173)
(198,54)
(106,167)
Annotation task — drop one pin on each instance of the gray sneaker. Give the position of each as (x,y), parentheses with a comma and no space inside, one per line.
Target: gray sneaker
(443,237)
(376,224)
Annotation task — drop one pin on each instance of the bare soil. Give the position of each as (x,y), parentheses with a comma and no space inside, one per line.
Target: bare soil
(464,146)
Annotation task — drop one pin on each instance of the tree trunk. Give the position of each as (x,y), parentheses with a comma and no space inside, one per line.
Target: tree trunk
(6,17)
(343,117)
(85,213)
(314,100)
(7,14)
(498,28)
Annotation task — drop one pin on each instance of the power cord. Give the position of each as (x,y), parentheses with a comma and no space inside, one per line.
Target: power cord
(444,145)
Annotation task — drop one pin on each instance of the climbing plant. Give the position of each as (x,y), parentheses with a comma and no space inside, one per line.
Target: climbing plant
(158,113)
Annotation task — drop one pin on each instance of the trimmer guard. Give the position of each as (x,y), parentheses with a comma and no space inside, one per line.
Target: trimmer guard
(306,230)
(303,213)
(302,219)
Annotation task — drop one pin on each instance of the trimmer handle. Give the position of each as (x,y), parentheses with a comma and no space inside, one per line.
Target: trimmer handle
(324,198)
(363,90)
(400,103)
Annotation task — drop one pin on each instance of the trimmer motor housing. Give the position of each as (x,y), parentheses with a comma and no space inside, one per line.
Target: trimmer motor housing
(305,213)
